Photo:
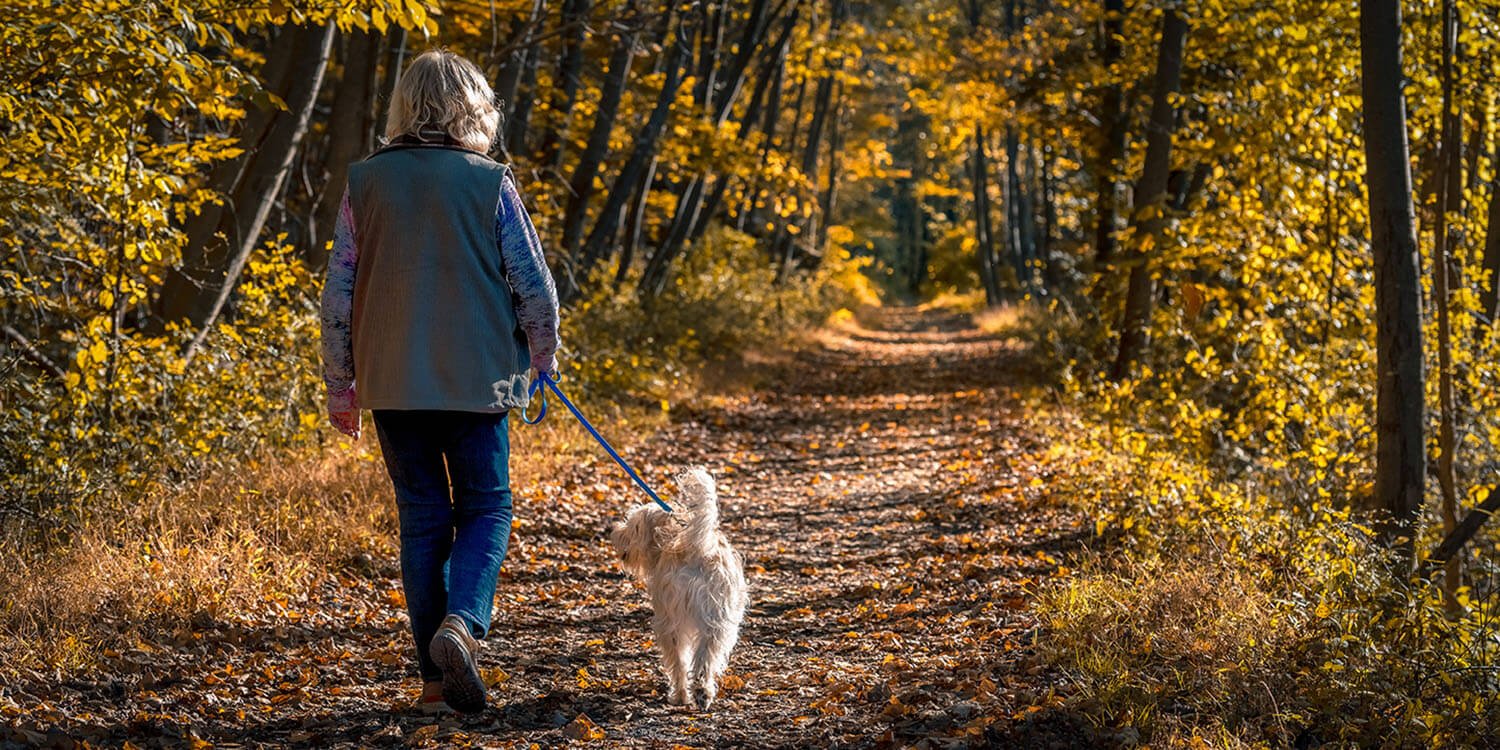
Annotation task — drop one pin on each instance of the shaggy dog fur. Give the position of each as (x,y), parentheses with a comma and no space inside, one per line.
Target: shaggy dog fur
(696,581)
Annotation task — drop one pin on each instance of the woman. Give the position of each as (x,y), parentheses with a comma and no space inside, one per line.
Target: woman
(437,301)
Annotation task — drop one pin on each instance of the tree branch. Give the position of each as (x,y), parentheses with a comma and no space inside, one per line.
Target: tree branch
(1466,529)
(31,354)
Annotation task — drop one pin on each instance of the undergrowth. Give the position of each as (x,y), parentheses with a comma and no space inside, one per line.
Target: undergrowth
(1231,597)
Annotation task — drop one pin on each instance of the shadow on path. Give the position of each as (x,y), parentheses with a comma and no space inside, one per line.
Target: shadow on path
(881,493)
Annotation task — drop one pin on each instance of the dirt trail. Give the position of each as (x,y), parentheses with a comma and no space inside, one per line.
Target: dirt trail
(881,488)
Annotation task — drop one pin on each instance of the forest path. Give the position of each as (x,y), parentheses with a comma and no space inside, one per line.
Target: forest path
(884,491)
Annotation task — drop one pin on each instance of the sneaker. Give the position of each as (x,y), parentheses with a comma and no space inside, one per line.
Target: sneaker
(456,652)
(431,703)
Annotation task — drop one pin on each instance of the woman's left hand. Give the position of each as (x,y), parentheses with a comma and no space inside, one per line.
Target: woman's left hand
(343,412)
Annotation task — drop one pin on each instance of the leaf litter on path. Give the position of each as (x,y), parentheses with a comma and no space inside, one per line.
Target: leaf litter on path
(881,487)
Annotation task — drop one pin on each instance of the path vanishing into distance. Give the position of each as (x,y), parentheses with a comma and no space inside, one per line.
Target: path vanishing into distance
(890,505)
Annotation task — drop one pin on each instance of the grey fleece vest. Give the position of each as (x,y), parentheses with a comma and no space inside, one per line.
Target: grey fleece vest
(434,322)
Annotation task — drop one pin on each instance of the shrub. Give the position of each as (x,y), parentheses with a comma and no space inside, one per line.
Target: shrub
(1239,594)
(133,412)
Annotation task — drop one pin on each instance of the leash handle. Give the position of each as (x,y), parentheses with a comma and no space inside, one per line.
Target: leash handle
(536,385)
(543,378)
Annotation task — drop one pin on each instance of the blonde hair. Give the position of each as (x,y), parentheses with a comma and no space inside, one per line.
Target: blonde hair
(444,91)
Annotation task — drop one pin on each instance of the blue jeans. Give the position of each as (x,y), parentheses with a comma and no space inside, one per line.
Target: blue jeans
(451,471)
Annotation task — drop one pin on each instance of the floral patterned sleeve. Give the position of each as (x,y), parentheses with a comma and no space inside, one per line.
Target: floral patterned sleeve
(338,312)
(526,271)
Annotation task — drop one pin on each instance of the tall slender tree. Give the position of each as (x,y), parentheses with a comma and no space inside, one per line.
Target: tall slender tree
(1400,412)
(1113,132)
(569,77)
(984,237)
(642,154)
(1449,180)
(221,238)
(1489,296)
(349,122)
(587,169)
(1151,194)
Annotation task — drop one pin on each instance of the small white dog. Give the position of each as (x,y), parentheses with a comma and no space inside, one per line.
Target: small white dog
(696,581)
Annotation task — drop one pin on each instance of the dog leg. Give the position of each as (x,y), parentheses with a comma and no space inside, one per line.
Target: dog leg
(672,663)
(705,680)
(710,660)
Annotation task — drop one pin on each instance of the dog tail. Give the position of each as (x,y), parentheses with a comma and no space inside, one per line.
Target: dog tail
(700,505)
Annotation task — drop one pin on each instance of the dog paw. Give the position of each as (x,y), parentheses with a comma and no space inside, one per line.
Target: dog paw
(703,697)
(679,697)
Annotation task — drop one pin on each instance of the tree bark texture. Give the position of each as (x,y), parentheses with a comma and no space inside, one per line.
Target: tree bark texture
(641,155)
(349,121)
(1151,195)
(1449,204)
(221,238)
(1400,453)
(582,184)
(1112,149)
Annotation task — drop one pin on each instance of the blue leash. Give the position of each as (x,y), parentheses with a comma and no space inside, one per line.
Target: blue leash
(536,387)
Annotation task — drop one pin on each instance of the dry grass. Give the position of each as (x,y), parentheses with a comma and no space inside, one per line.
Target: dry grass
(203,550)
(1167,645)
(1005,319)
(248,541)
(965,302)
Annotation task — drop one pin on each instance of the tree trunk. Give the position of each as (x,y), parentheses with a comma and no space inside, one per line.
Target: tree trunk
(1489,296)
(1455,540)
(692,208)
(1449,205)
(984,237)
(1400,453)
(1112,150)
(1026,231)
(643,152)
(565,85)
(582,184)
(830,195)
(1477,138)
(689,204)
(1052,274)
(395,62)
(635,221)
(780,246)
(1015,232)
(348,123)
(221,239)
(518,126)
(907,208)
(772,117)
(708,51)
(822,99)
(1151,195)
(513,68)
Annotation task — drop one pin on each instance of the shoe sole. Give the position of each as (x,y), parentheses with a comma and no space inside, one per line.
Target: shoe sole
(434,708)
(463,688)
